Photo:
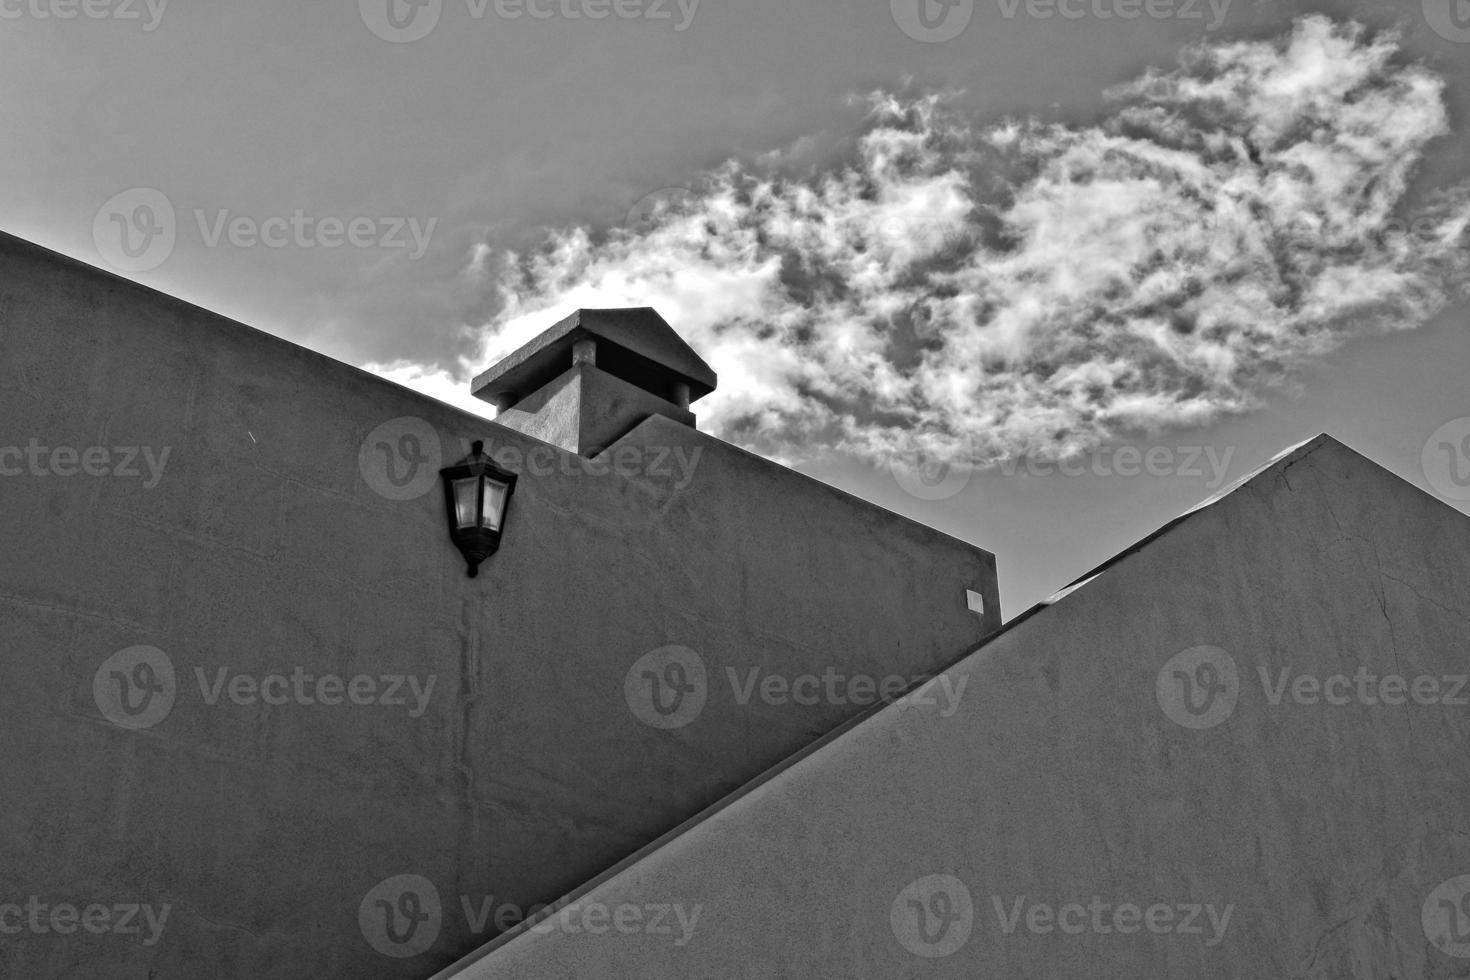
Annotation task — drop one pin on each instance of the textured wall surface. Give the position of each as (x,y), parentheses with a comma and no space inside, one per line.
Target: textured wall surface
(288,549)
(1238,751)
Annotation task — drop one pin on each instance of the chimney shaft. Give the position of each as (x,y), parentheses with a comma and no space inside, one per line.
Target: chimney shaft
(591,378)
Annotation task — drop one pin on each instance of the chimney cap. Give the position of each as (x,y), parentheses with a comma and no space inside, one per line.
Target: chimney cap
(634,342)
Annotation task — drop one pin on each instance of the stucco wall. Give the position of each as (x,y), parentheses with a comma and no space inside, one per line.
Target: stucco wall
(270,543)
(1074,818)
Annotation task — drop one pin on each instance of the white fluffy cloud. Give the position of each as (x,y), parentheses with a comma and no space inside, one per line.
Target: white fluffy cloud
(974,293)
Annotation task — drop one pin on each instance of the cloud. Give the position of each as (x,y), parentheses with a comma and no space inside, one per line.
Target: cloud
(973,293)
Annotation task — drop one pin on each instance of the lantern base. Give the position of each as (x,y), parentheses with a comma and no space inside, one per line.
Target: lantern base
(476,544)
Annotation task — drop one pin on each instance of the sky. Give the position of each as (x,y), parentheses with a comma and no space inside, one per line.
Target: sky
(1042,274)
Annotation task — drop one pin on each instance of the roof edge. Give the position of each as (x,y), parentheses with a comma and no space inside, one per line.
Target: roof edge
(41,253)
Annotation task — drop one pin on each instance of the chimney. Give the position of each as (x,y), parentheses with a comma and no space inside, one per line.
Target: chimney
(592,377)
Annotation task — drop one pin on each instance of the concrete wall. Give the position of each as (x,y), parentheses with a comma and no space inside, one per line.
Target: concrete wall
(1122,832)
(274,542)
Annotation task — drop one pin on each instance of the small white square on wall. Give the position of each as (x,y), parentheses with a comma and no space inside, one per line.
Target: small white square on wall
(975,601)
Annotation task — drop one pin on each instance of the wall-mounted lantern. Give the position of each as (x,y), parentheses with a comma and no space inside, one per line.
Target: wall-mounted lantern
(476,493)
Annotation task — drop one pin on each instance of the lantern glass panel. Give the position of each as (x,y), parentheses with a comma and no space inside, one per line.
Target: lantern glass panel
(494,508)
(464,501)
